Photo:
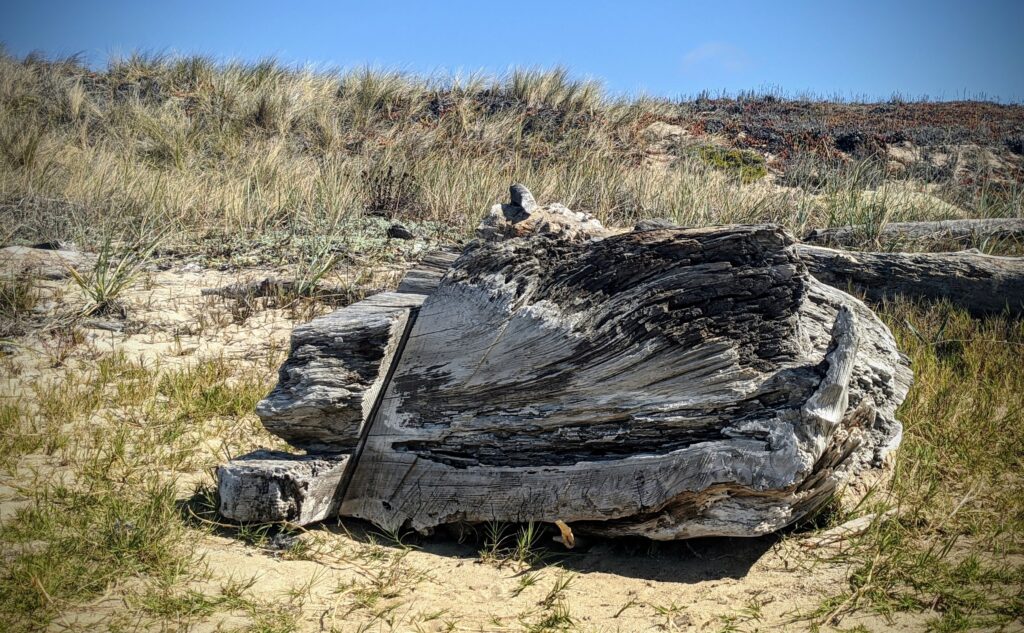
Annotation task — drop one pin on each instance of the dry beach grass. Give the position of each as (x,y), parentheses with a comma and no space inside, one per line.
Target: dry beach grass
(123,387)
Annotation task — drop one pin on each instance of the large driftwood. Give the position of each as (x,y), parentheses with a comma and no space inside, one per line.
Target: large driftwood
(668,383)
(982,284)
(963,232)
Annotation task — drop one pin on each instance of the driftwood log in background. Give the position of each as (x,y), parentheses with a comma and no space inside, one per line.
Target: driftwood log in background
(981,284)
(963,232)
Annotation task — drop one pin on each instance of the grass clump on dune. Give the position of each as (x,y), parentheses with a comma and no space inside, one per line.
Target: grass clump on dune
(747,165)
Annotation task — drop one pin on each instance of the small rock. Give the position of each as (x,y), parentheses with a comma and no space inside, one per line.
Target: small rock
(399,232)
(521,197)
(282,541)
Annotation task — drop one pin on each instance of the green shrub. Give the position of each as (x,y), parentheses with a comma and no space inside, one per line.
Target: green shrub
(748,165)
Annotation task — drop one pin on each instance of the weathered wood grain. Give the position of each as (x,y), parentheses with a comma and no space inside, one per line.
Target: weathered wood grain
(335,367)
(337,363)
(982,284)
(964,232)
(272,487)
(325,392)
(670,383)
(423,278)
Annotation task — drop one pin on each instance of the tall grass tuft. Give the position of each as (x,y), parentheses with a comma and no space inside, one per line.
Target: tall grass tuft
(116,269)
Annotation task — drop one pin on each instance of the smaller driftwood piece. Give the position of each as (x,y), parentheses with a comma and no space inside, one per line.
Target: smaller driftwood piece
(668,383)
(979,283)
(963,232)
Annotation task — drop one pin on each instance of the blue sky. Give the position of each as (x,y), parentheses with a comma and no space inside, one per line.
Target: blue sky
(868,49)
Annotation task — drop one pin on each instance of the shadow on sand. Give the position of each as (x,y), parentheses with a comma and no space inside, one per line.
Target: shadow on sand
(690,561)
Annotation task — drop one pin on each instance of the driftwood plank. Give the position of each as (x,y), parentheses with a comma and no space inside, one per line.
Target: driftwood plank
(337,364)
(424,277)
(326,390)
(982,284)
(963,232)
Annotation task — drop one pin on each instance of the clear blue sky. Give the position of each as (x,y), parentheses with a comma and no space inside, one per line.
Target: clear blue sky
(870,48)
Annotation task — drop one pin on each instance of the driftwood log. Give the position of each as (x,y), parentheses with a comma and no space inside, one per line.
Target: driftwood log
(981,284)
(963,232)
(669,383)
(272,486)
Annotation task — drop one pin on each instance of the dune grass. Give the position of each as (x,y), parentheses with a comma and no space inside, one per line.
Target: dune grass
(126,432)
(955,547)
(245,149)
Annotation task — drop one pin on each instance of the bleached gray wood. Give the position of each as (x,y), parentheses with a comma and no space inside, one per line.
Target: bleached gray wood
(337,363)
(424,277)
(325,392)
(335,367)
(667,383)
(964,232)
(982,284)
(272,487)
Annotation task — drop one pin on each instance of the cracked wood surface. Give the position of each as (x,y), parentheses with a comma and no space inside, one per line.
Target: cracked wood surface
(671,383)
(337,363)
